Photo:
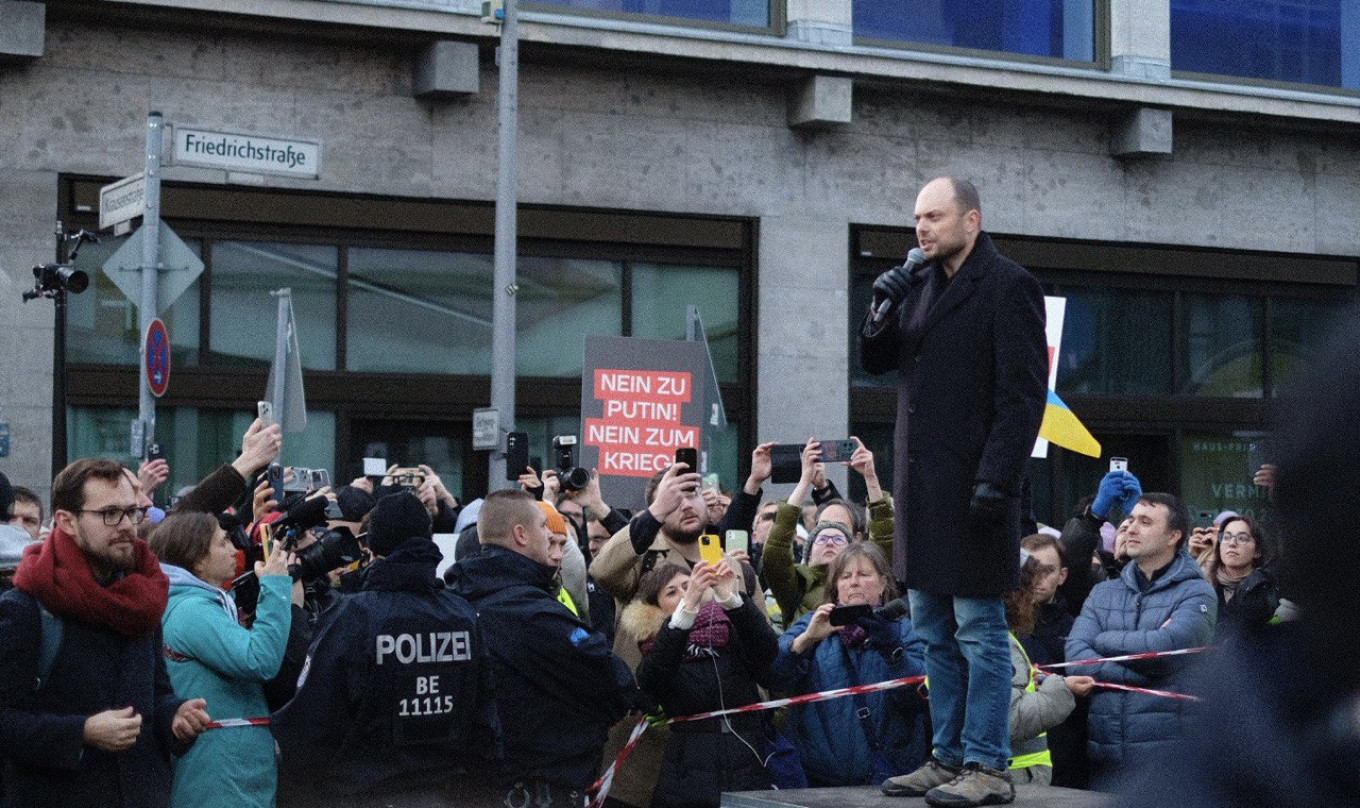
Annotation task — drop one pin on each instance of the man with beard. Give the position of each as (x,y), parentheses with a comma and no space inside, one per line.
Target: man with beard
(87,714)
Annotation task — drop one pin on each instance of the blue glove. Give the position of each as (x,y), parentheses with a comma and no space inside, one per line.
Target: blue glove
(1111,491)
(1133,491)
(884,635)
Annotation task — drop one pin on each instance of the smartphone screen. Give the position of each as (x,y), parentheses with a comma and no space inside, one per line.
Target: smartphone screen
(1119,464)
(737,540)
(710,549)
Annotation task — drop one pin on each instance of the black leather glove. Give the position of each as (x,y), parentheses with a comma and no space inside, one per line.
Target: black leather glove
(884,636)
(989,503)
(891,287)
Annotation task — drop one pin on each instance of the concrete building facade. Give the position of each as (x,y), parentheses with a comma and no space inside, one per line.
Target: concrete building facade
(790,156)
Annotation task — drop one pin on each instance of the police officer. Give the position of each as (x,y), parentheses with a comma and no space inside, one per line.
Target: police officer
(394,701)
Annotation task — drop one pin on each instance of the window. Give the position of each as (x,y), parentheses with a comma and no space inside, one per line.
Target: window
(1115,341)
(103,326)
(1299,41)
(1056,29)
(745,13)
(662,293)
(245,315)
(1222,352)
(1299,328)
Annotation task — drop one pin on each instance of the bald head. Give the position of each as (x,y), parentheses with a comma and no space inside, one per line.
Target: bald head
(501,512)
(948,221)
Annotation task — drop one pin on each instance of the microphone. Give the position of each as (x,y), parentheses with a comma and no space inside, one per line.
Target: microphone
(893,609)
(915,260)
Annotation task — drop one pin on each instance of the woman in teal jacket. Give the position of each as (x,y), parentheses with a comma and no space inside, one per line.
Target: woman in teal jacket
(211,655)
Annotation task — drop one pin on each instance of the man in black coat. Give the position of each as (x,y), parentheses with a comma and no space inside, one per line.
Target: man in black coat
(965,332)
(558,686)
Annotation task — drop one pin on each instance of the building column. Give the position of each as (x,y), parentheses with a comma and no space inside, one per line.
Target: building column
(1140,38)
(820,22)
(803,342)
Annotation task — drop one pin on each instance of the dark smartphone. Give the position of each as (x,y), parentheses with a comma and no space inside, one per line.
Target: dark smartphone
(516,454)
(688,456)
(275,476)
(155,452)
(536,463)
(847,615)
(787,462)
(838,451)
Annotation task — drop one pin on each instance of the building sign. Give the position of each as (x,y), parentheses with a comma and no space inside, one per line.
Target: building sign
(641,400)
(249,154)
(122,201)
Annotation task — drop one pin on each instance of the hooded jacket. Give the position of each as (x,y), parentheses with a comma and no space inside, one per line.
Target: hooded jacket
(395,694)
(1178,610)
(558,686)
(209,655)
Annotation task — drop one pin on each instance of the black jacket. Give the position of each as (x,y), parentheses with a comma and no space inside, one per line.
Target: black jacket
(396,690)
(41,732)
(971,386)
(702,758)
(1252,606)
(558,686)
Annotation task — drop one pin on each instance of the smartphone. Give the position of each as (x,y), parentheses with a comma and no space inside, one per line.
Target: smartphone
(847,615)
(786,462)
(375,466)
(265,411)
(737,540)
(536,463)
(516,454)
(709,482)
(838,451)
(1119,464)
(710,549)
(154,452)
(688,456)
(275,476)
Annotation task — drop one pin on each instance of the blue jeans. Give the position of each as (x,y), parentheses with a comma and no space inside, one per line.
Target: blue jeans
(968,660)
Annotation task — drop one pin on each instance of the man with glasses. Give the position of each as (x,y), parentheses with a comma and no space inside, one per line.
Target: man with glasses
(87,714)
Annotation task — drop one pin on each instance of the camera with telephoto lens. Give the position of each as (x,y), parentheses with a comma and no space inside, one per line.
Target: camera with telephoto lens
(335,548)
(572,476)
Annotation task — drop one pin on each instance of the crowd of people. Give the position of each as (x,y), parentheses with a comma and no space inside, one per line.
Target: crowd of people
(518,674)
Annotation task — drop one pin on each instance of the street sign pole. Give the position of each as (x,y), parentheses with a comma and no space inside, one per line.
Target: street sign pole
(151,225)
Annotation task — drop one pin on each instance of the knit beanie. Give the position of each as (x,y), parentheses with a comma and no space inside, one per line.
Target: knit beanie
(396,518)
(556,522)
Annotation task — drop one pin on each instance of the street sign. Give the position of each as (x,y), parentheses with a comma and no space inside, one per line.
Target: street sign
(249,154)
(122,201)
(178,271)
(486,428)
(156,351)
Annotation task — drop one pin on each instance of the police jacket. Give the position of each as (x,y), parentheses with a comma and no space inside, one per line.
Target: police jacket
(395,693)
(558,686)
(1177,610)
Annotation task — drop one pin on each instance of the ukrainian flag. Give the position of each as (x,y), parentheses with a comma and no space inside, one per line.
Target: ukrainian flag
(1062,428)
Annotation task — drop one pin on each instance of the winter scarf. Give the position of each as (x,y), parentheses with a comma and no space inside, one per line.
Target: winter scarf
(57,575)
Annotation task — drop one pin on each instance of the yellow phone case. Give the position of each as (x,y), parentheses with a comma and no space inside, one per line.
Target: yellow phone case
(710,549)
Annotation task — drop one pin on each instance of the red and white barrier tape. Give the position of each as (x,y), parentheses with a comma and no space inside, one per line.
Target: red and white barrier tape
(602,786)
(1126,658)
(1147,691)
(237,722)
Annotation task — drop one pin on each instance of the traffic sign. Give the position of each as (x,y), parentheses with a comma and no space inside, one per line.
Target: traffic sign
(178,271)
(157,358)
(122,201)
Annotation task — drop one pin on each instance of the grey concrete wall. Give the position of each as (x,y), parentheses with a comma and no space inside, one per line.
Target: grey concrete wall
(633,139)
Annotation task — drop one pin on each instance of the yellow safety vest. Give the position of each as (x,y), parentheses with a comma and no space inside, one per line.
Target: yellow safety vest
(1034,751)
(564,598)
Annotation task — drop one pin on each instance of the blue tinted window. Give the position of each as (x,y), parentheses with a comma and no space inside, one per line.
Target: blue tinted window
(1061,29)
(1305,41)
(732,12)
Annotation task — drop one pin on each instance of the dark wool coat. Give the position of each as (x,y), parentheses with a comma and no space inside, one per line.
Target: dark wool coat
(47,761)
(971,388)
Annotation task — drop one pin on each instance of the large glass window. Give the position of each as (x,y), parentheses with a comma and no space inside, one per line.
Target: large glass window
(245,315)
(1299,328)
(1115,341)
(730,12)
(1058,29)
(1216,476)
(661,294)
(1224,337)
(560,302)
(1305,41)
(102,324)
(196,440)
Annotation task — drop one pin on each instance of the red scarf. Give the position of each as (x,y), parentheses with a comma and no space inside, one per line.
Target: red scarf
(57,574)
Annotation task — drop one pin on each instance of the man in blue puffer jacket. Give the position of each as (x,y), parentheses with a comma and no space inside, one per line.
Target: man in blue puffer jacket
(1161,602)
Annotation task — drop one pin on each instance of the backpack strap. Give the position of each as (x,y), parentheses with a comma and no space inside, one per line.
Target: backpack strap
(53,630)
